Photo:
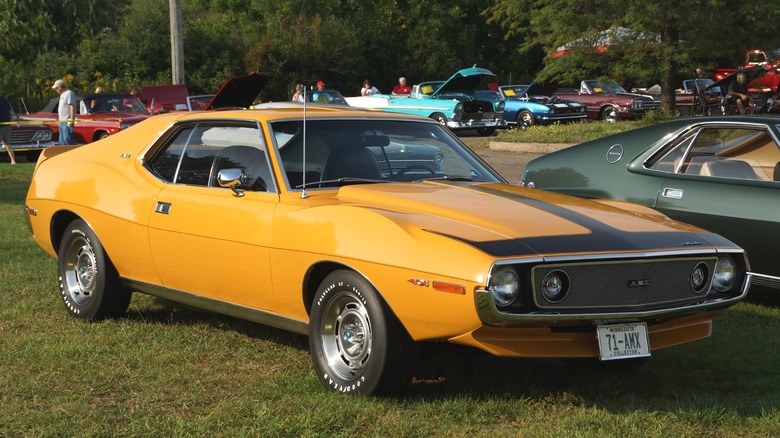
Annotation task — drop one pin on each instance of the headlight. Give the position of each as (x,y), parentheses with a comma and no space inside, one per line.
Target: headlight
(699,277)
(504,285)
(555,286)
(459,107)
(725,274)
(438,159)
(500,106)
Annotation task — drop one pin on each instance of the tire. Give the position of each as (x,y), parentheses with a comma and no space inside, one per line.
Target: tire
(89,283)
(525,119)
(441,118)
(101,135)
(357,344)
(609,114)
(485,131)
(32,156)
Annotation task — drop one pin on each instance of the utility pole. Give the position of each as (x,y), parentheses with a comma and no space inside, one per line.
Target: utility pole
(177,43)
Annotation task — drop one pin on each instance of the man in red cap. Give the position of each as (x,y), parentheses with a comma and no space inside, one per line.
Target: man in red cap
(320,97)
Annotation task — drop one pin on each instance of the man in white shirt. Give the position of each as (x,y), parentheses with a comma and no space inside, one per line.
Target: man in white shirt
(66,112)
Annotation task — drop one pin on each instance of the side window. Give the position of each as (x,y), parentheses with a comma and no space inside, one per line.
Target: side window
(196,155)
(724,152)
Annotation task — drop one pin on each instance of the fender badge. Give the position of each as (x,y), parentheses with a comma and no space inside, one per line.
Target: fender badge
(615,153)
(418,282)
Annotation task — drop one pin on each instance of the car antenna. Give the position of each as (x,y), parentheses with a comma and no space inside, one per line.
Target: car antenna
(304,195)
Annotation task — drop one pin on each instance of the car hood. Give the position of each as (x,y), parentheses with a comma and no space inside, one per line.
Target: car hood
(509,221)
(239,92)
(467,80)
(751,74)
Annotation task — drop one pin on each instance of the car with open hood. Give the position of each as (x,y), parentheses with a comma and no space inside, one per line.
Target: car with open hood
(524,110)
(451,103)
(289,218)
(98,115)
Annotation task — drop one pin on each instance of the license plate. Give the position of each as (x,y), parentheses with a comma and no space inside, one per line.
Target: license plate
(623,341)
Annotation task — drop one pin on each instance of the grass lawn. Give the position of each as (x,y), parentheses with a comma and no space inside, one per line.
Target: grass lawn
(165,370)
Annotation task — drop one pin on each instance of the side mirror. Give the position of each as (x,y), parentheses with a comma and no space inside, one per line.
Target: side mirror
(232,178)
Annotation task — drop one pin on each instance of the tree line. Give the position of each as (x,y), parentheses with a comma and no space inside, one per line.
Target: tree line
(118,43)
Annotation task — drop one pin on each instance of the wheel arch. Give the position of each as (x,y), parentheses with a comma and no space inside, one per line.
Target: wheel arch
(316,274)
(59,222)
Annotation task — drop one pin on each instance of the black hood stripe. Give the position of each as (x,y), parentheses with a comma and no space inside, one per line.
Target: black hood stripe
(602,237)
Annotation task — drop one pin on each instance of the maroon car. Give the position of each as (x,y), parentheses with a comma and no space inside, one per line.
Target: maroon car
(607,100)
(98,115)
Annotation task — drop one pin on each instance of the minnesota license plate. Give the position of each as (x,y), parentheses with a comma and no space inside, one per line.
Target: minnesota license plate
(623,341)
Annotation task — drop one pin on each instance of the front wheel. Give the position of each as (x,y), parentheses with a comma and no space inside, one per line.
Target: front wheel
(89,283)
(357,344)
(441,118)
(609,114)
(525,119)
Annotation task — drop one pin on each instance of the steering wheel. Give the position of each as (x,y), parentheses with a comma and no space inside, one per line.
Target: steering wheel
(416,167)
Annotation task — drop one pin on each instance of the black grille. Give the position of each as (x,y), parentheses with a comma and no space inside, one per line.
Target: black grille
(624,284)
(22,136)
(479,116)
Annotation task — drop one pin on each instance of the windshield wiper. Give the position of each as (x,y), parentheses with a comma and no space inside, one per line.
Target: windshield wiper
(448,178)
(341,181)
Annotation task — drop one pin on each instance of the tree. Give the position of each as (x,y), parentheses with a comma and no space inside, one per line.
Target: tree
(667,38)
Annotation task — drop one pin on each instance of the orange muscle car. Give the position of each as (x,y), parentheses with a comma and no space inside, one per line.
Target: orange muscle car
(296,218)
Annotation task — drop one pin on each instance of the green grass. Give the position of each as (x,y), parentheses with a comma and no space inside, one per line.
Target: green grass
(164,370)
(575,132)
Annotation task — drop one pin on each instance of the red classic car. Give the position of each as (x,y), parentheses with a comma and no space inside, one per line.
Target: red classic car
(98,115)
(607,100)
(28,139)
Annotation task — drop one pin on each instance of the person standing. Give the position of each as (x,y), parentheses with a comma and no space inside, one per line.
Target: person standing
(66,112)
(402,88)
(298,96)
(5,127)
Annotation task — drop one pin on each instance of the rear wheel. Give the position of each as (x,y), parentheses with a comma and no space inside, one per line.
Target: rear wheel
(357,344)
(101,135)
(89,283)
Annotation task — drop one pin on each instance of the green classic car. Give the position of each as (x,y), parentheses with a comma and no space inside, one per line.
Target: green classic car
(452,103)
(719,173)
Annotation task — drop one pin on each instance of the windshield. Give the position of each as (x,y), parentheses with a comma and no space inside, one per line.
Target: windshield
(605,86)
(374,150)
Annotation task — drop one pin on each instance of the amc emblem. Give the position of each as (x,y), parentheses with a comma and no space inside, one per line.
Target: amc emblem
(638,283)
(615,153)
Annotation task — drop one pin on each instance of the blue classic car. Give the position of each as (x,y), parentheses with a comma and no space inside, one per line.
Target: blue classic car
(524,110)
(452,102)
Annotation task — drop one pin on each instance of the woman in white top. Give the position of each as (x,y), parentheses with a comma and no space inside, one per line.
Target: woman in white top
(368,89)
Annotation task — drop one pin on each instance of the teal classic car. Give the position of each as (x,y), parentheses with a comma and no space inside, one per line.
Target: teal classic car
(452,102)
(720,173)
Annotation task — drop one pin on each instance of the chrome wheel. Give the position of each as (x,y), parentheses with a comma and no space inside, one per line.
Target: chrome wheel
(357,344)
(80,271)
(525,119)
(89,284)
(346,336)
(609,114)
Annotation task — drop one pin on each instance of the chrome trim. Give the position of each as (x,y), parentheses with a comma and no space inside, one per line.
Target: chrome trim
(490,315)
(220,307)
(765,280)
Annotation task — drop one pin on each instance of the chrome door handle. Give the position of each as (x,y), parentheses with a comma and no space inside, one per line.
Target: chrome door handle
(672,193)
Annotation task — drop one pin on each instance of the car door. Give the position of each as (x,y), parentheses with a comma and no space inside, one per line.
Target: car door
(723,181)
(206,239)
